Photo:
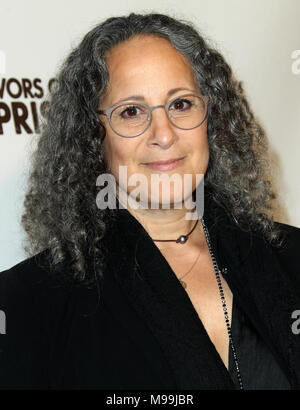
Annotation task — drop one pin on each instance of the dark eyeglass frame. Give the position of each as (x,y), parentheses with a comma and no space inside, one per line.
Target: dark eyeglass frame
(109,111)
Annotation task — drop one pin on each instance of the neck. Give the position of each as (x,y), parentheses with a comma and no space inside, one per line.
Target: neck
(169,224)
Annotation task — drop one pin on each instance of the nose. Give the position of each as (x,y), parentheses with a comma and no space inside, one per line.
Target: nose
(161,131)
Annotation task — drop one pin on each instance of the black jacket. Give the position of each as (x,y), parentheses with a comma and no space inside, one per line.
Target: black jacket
(143,332)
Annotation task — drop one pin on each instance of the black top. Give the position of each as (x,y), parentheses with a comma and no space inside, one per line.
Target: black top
(259,368)
(143,332)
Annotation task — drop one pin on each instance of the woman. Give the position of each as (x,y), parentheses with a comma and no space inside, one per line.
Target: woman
(100,304)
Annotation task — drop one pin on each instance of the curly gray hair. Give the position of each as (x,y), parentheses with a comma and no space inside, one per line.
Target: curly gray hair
(60,208)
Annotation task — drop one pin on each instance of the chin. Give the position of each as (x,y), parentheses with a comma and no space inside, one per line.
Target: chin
(161,195)
(166,200)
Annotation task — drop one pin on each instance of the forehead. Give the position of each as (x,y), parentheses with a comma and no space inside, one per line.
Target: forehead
(145,64)
(144,49)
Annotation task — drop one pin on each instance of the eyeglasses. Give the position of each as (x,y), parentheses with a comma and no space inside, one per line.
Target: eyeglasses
(131,119)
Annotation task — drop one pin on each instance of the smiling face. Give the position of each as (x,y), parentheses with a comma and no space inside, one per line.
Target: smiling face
(151,70)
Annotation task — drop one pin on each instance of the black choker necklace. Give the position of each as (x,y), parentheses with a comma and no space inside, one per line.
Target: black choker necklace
(182,238)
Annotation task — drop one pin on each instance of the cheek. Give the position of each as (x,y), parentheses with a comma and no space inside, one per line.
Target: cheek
(117,153)
(200,156)
(205,152)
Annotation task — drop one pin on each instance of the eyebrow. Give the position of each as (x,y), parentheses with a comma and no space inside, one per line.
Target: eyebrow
(141,98)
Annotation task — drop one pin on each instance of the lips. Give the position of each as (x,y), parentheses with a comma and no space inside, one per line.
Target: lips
(165,165)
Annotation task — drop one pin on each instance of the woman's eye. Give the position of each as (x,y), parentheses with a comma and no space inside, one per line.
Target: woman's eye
(181,105)
(131,112)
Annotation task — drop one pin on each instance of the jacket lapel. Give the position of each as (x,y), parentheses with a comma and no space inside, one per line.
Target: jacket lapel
(262,288)
(163,306)
(137,330)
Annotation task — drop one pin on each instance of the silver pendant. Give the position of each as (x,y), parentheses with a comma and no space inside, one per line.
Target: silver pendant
(182,239)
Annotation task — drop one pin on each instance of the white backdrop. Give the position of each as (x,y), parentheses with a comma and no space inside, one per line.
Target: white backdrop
(259,38)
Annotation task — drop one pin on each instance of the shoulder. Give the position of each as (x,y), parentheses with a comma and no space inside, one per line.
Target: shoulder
(282,257)
(33,292)
(289,236)
(28,279)
(32,304)
(21,277)
(26,271)
(31,296)
(288,253)
(293,230)
(291,239)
